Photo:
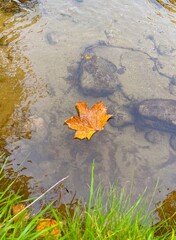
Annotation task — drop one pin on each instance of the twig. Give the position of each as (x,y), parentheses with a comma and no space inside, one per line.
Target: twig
(39,197)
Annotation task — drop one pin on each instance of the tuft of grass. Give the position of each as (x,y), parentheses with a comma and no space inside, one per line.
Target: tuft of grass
(107,215)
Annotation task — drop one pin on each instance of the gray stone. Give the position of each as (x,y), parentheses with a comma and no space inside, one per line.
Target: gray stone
(98,77)
(157,113)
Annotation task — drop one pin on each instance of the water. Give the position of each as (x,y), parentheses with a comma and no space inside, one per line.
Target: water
(41,48)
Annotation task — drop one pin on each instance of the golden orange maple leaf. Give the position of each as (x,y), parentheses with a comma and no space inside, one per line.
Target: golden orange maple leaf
(89,121)
(46,223)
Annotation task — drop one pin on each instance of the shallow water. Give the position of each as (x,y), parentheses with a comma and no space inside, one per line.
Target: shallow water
(46,43)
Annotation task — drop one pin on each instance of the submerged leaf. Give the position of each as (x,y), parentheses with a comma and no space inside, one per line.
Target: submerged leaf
(89,121)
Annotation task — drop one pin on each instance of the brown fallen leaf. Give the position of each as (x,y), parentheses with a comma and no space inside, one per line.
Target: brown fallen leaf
(89,121)
(47,222)
(16,209)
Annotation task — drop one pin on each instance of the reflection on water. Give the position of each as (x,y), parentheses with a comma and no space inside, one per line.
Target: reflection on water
(16,6)
(166,212)
(14,103)
(169,6)
(14,70)
(20,182)
(11,76)
(50,78)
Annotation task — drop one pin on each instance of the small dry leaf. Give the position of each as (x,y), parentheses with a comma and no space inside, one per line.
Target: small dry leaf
(47,222)
(89,121)
(87,57)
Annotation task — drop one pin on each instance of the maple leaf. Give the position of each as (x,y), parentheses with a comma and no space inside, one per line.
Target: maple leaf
(89,121)
(47,222)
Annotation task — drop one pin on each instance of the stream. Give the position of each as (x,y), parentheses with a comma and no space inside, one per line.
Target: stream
(41,46)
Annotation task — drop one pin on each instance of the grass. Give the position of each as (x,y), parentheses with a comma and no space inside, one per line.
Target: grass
(105,216)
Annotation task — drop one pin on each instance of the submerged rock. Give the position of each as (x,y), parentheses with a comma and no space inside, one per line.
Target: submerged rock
(98,77)
(157,113)
(120,116)
(153,136)
(51,38)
